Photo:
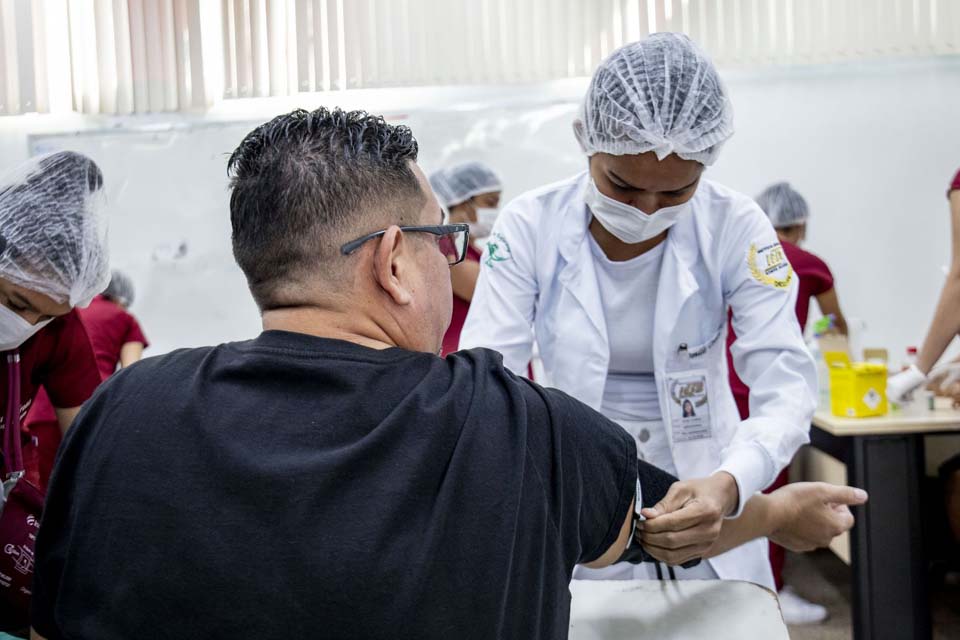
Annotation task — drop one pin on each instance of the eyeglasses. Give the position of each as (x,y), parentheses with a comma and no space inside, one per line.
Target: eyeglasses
(452,240)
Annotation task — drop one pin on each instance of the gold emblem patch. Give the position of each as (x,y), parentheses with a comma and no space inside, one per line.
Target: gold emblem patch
(768,265)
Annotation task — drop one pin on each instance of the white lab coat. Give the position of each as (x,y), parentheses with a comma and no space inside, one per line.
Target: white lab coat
(537,277)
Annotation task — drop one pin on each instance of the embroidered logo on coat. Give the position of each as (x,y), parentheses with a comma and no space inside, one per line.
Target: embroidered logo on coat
(498,249)
(768,265)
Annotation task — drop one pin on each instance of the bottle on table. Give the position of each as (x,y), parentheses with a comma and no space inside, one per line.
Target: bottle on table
(911,359)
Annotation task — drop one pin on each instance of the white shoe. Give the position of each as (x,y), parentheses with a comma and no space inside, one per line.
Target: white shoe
(796,610)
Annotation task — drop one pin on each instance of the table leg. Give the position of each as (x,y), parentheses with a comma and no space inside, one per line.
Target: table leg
(889,570)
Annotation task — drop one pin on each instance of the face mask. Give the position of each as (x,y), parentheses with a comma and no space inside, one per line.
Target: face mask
(484,224)
(14,330)
(628,223)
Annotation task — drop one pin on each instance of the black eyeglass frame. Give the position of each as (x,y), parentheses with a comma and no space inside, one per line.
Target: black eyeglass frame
(437,230)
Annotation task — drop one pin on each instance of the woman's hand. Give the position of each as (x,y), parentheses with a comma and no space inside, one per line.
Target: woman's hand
(944,381)
(900,386)
(808,515)
(687,522)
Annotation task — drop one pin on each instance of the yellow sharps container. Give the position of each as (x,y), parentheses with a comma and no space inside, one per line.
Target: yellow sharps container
(857,389)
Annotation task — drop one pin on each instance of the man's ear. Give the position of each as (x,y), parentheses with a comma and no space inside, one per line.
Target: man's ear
(392,264)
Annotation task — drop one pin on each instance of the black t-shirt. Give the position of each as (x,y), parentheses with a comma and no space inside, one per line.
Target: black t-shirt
(294,487)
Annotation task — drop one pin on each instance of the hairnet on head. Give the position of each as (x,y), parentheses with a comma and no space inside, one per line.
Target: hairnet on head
(53,228)
(783,205)
(120,288)
(461,182)
(661,94)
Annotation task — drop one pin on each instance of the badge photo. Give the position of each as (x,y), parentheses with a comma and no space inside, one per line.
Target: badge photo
(689,404)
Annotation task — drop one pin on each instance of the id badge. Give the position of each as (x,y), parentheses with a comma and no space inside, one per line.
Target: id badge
(689,403)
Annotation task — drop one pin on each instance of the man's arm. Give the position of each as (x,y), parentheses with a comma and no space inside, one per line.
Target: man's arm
(801,517)
(701,514)
(616,550)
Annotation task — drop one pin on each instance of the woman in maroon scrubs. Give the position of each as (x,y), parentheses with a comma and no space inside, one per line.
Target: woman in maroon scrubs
(52,259)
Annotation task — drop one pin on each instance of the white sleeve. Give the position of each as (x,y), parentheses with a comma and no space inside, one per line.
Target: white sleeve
(502,310)
(769,355)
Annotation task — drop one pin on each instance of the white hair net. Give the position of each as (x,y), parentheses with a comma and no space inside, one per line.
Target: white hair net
(783,205)
(53,228)
(461,182)
(120,288)
(661,94)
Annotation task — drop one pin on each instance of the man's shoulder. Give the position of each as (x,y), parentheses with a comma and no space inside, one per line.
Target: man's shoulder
(177,358)
(481,374)
(475,370)
(478,358)
(174,368)
(489,377)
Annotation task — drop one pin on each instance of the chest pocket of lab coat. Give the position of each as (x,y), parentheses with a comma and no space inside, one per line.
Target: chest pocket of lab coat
(695,373)
(701,327)
(699,355)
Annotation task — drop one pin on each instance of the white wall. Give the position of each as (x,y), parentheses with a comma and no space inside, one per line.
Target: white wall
(166,182)
(872,146)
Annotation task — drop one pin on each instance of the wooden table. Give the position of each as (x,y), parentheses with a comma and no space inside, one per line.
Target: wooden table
(884,456)
(673,610)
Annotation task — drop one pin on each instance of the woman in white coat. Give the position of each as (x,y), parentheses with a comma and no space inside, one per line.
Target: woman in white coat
(625,274)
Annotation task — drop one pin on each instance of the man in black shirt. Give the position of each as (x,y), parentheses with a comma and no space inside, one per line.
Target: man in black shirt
(334,477)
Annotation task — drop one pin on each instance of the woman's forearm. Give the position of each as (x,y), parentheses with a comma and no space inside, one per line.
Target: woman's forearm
(756,521)
(945,324)
(946,319)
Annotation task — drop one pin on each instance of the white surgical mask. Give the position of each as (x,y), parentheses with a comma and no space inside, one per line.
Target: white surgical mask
(628,223)
(486,216)
(14,330)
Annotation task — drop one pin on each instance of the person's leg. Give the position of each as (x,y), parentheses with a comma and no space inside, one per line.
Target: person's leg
(796,610)
(777,553)
(950,480)
(950,475)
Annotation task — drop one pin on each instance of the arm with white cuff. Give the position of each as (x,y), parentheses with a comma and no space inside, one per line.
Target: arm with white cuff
(769,355)
(801,517)
(945,324)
